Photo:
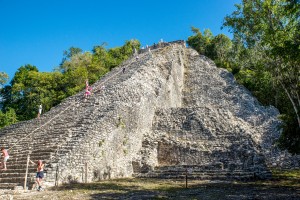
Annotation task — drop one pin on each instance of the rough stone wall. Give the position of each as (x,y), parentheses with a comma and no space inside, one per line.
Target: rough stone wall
(216,87)
(201,136)
(119,118)
(170,107)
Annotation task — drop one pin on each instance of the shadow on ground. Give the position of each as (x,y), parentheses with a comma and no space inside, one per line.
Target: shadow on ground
(204,190)
(285,185)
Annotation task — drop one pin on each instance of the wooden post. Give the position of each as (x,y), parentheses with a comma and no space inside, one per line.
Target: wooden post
(185,162)
(25,182)
(186,177)
(56,176)
(86,172)
(82,174)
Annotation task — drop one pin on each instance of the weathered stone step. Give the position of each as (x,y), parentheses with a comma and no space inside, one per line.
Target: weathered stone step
(12,180)
(33,157)
(40,150)
(19,164)
(212,173)
(201,170)
(36,152)
(198,176)
(203,177)
(214,167)
(17,169)
(14,174)
(8,185)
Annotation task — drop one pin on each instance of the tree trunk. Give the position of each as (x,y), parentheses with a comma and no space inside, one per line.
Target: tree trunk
(293,103)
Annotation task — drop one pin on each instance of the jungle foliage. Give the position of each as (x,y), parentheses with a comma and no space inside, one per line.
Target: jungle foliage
(264,56)
(30,88)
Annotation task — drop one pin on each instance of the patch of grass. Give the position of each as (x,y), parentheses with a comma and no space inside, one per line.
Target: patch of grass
(286,174)
(125,151)
(285,185)
(125,141)
(286,177)
(280,178)
(101,142)
(120,123)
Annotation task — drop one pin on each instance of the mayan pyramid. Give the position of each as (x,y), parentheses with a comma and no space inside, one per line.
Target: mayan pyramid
(172,110)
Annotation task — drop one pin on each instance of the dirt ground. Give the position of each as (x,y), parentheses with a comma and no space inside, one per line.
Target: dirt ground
(283,186)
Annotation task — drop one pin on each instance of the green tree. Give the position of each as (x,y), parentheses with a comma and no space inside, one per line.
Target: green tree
(219,49)
(272,27)
(198,41)
(8,118)
(20,95)
(100,56)
(3,78)
(119,54)
(29,88)
(72,51)
(75,70)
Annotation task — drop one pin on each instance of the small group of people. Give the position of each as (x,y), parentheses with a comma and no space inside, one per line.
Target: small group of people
(39,170)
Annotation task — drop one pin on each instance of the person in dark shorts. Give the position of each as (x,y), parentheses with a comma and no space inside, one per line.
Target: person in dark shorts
(39,174)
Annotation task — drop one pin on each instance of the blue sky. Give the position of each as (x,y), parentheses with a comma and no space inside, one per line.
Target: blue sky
(38,31)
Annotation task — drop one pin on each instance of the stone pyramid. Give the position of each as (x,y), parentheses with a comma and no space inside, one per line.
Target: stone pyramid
(171,110)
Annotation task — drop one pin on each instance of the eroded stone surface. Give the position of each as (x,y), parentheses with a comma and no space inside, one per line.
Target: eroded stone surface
(171,108)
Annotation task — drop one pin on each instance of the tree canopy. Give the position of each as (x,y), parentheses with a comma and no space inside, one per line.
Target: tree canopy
(29,88)
(272,29)
(3,78)
(264,56)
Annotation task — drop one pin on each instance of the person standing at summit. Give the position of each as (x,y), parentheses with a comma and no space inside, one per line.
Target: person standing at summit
(40,110)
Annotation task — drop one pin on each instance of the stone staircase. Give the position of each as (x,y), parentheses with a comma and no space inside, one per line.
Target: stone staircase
(58,132)
(198,172)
